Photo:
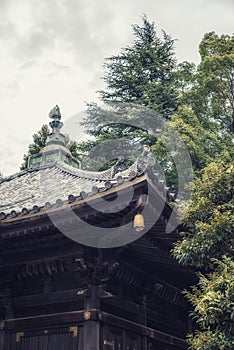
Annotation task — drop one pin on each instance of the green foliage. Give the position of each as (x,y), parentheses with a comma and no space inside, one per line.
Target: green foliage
(209,218)
(210,340)
(213,302)
(116,130)
(144,73)
(120,116)
(203,144)
(212,95)
(205,107)
(208,244)
(39,142)
(185,75)
(205,120)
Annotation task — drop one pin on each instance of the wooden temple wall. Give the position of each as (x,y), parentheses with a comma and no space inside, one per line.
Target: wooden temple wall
(96,332)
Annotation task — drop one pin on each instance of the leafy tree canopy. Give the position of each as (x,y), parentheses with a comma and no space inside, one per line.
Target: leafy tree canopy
(212,94)
(210,218)
(213,303)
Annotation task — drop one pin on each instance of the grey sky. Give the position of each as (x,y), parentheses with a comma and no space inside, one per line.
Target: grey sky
(52,52)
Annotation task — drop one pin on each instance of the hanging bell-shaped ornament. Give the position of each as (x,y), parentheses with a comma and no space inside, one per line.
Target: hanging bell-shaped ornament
(139,222)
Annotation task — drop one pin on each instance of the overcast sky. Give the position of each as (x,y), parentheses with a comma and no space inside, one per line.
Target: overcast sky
(52,52)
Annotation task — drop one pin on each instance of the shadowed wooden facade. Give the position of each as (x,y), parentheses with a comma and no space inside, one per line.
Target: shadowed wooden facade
(57,294)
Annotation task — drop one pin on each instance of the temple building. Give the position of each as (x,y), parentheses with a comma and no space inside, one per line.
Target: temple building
(85,256)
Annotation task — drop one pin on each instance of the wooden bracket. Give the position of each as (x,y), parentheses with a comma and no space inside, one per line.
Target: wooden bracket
(74,330)
(109,343)
(19,335)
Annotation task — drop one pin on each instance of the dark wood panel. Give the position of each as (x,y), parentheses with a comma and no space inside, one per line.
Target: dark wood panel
(154,334)
(112,338)
(132,341)
(52,339)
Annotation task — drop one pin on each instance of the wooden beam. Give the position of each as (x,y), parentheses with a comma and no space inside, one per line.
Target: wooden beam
(37,255)
(46,321)
(64,296)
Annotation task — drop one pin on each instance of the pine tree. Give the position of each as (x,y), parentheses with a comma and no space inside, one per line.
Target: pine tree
(39,142)
(142,76)
(144,73)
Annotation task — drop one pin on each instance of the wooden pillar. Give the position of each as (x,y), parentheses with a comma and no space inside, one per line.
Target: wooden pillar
(91,339)
(3,337)
(2,342)
(142,317)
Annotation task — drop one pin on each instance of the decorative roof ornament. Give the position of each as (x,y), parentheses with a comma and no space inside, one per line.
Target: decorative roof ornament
(56,149)
(56,124)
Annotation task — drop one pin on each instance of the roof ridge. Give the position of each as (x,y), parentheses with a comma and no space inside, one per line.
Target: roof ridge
(87,174)
(26,171)
(104,175)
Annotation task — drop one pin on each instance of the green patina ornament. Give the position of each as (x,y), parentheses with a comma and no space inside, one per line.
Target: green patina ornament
(55,114)
(56,149)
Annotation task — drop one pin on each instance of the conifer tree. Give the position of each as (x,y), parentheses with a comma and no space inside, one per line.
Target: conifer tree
(144,72)
(142,75)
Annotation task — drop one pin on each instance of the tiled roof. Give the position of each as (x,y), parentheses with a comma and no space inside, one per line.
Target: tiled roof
(41,187)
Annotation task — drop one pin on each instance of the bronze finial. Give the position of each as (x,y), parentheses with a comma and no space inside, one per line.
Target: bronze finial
(55,114)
